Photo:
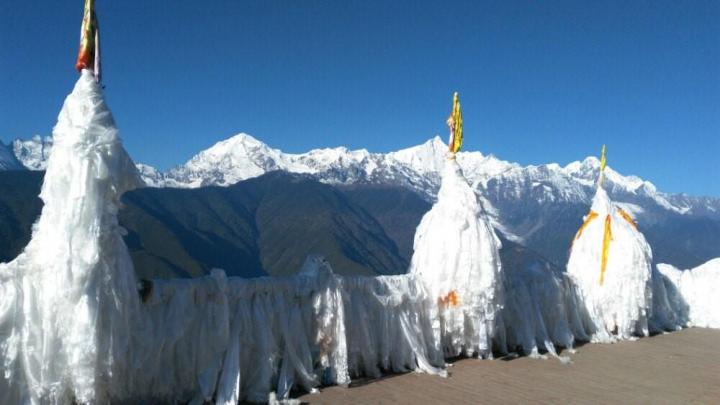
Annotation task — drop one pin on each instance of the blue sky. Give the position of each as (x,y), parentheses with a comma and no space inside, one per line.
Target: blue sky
(540,82)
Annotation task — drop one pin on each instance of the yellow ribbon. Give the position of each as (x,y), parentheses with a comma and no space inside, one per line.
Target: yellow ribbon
(607,238)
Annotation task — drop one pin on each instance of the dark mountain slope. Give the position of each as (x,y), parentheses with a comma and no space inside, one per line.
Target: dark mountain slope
(397,209)
(296,215)
(186,233)
(266,225)
(19,207)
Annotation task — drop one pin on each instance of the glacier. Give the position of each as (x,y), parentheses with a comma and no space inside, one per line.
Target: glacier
(77,327)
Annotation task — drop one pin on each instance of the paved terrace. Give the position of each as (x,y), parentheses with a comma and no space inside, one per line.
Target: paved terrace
(679,367)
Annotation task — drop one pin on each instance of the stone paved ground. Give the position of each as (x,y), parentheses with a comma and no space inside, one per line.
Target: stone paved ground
(679,367)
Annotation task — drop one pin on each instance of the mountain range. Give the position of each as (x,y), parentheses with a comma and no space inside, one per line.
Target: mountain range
(536,207)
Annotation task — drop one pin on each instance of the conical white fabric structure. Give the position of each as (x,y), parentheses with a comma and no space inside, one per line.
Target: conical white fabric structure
(74,298)
(620,300)
(456,256)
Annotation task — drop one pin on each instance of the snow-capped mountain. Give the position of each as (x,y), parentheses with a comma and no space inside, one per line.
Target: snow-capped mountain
(242,157)
(8,160)
(34,152)
(536,206)
(539,207)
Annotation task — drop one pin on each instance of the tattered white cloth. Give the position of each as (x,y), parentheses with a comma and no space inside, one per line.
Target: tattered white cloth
(611,262)
(457,257)
(687,297)
(71,294)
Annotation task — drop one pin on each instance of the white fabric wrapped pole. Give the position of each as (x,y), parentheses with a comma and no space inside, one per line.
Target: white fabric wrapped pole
(79,298)
(457,257)
(621,305)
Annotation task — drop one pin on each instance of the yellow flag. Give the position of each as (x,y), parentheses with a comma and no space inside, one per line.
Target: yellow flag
(455,122)
(603,163)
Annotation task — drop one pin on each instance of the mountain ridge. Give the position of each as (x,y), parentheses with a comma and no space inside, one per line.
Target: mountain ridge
(267,224)
(261,226)
(243,156)
(534,205)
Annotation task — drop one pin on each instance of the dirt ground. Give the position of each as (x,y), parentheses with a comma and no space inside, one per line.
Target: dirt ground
(678,367)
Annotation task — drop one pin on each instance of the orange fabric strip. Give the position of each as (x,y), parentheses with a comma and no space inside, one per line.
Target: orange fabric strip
(592,215)
(451,300)
(628,218)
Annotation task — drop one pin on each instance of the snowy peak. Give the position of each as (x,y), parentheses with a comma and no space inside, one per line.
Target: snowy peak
(238,146)
(588,171)
(227,162)
(243,156)
(320,160)
(418,167)
(150,175)
(34,152)
(428,157)
(8,161)
(237,151)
